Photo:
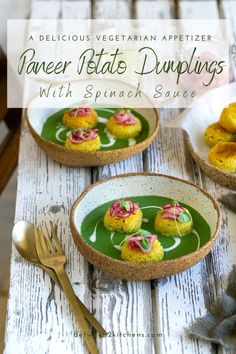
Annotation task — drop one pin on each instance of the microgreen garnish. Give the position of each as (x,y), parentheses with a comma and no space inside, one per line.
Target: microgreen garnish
(145,243)
(144,233)
(184,217)
(125,205)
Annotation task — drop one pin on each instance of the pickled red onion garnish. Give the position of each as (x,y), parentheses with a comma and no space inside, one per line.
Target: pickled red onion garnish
(125,118)
(141,242)
(78,136)
(80,112)
(172,211)
(169,216)
(123,209)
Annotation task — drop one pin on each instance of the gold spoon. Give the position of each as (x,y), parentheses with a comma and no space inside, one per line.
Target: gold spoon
(24,241)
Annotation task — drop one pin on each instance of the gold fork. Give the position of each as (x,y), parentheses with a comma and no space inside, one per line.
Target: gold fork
(52,255)
(88,315)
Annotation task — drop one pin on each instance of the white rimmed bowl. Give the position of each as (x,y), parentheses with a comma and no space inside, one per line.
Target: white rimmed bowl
(36,118)
(139,185)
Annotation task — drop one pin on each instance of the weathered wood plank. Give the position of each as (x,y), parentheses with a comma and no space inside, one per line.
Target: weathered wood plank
(76,9)
(38,314)
(125,307)
(39,318)
(178,299)
(198,9)
(111,9)
(151,9)
(45,9)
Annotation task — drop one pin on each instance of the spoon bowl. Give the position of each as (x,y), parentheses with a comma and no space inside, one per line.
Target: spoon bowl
(23,239)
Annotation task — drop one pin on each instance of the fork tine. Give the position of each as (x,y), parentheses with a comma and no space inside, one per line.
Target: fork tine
(48,239)
(42,241)
(37,241)
(55,239)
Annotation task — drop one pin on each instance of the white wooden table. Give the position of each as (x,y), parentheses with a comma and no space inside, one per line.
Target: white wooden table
(39,319)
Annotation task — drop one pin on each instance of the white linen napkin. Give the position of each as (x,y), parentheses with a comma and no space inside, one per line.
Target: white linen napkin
(219,324)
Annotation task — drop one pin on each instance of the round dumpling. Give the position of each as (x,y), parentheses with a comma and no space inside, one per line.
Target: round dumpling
(83,140)
(123,216)
(83,117)
(223,156)
(214,133)
(124,125)
(142,248)
(228,118)
(173,220)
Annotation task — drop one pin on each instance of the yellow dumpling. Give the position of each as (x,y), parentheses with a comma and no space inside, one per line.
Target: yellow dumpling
(134,255)
(80,118)
(216,133)
(91,145)
(124,125)
(83,140)
(228,118)
(173,220)
(119,219)
(223,156)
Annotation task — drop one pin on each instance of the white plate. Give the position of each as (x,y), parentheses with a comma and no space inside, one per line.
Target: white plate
(195,121)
